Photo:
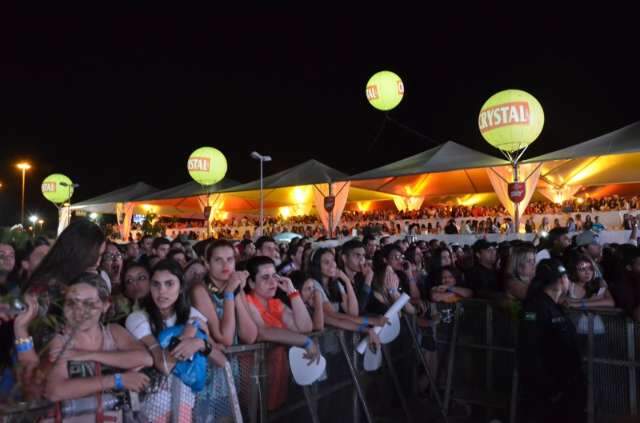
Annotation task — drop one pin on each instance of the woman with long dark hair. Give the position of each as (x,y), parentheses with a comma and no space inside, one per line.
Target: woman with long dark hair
(78,249)
(168,305)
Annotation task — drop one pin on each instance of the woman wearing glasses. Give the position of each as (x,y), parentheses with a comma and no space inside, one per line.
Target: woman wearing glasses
(586,290)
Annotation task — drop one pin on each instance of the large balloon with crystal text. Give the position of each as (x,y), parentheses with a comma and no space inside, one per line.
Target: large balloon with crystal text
(207,166)
(385,90)
(57,188)
(511,120)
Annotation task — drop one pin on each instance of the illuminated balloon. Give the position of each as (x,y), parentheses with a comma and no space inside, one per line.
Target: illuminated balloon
(57,188)
(511,120)
(385,90)
(207,165)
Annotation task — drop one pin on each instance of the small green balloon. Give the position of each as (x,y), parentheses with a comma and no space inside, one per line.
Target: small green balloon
(207,165)
(385,90)
(57,188)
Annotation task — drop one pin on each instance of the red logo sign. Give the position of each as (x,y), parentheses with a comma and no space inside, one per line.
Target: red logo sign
(516,113)
(201,164)
(517,191)
(329,203)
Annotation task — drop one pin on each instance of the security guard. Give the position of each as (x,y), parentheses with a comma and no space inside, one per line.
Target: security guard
(551,380)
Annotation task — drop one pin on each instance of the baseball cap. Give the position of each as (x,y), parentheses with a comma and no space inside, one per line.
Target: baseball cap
(587,238)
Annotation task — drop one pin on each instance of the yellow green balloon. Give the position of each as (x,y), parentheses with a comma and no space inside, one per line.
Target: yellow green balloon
(385,90)
(57,188)
(511,120)
(207,165)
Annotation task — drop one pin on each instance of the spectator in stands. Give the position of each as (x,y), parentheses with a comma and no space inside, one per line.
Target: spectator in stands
(597,226)
(358,270)
(627,291)
(266,246)
(312,297)
(194,273)
(268,311)
(554,245)
(520,271)
(30,258)
(550,365)
(160,248)
(168,306)
(178,256)
(86,300)
(78,249)
(451,228)
(529,226)
(483,277)
(133,252)
(135,282)
(447,286)
(146,243)
(586,289)
(7,265)
(293,259)
(370,246)
(112,265)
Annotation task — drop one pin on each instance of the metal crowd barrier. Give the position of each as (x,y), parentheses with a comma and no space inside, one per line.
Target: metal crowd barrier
(475,342)
(485,332)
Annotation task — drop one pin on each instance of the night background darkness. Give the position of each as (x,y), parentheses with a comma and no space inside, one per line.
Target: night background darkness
(117,101)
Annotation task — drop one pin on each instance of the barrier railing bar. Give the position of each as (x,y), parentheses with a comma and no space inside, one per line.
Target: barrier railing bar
(396,382)
(489,354)
(303,403)
(311,404)
(354,394)
(354,376)
(423,361)
(452,353)
(590,397)
(631,355)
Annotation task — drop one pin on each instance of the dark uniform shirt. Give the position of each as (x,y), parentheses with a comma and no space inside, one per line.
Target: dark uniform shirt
(549,359)
(479,278)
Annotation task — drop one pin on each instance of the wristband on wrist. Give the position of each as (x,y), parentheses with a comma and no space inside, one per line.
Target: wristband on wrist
(117,382)
(207,347)
(24,347)
(293,294)
(364,326)
(307,343)
(229,296)
(392,290)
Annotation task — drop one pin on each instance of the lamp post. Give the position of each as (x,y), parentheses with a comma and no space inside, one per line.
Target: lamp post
(69,187)
(255,155)
(23,166)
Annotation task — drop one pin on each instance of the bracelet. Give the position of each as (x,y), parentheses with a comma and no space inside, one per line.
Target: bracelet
(229,296)
(207,348)
(117,378)
(24,347)
(364,326)
(27,340)
(154,346)
(293,294)
(307,343)
(392,290)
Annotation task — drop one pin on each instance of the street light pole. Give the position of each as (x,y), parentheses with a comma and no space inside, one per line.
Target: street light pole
(255,155)
(24,166)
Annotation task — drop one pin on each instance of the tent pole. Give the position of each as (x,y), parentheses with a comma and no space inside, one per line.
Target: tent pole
(516,218)
(330,212)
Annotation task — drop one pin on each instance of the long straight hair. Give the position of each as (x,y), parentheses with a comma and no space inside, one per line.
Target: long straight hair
(77,249)
(182,306)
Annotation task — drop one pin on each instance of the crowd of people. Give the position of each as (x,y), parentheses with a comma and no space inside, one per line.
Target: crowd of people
(103,317)
(443,219)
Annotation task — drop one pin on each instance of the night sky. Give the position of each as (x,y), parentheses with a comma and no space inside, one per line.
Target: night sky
(117,101)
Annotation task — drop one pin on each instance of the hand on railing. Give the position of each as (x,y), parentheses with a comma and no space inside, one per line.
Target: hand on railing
(313,352)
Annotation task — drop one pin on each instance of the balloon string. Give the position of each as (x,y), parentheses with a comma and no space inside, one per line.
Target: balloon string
(411,130)
(379,133)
